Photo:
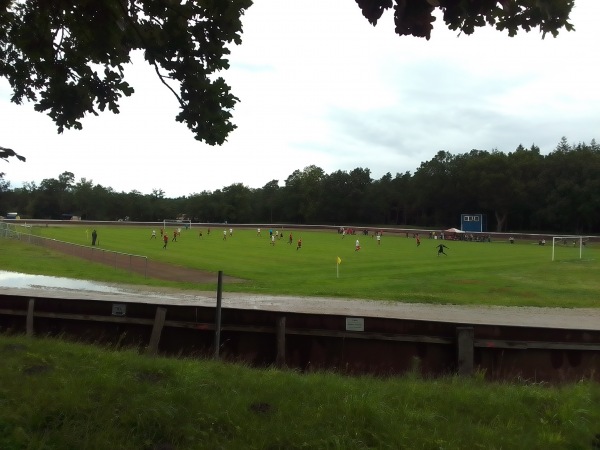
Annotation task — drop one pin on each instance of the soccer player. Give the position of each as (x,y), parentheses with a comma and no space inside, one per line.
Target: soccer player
(165,240)
(153,236)
(357,246)
(299,246)
(441,248)
(291,239)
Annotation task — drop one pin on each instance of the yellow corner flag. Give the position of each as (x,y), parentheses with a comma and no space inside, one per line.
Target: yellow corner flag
(339,260)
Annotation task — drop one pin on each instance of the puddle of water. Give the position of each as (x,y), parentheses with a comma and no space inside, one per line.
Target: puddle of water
(27,281)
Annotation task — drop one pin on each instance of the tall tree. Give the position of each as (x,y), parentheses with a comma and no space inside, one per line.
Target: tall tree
(266,204)
(54,196)
(572,180)
(85,200)
(434,189)
(303,193)
(359,182)
(236,203)
(525,166)
(335,204)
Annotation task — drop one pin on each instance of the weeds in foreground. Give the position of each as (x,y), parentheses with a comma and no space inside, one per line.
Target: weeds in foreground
(61,395)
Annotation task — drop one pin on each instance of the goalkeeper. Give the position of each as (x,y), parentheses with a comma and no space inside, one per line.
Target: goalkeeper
(441,248)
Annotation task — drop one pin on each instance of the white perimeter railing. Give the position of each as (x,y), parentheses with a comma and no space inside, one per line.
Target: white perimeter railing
(119,260)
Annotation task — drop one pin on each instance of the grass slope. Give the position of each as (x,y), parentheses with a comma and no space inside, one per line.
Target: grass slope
(58,395)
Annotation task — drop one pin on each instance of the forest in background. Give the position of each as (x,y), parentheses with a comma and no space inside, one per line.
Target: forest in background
(522,190)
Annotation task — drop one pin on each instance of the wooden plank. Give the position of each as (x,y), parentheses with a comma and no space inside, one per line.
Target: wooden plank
(372,335)
(159,322)
(329,333)
(202,326)
(29,320)
(250,329)
(280,360)
(95,318)
(13,312)
(525,345)
(465,347)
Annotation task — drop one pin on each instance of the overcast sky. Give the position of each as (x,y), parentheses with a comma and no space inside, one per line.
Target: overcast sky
(320,86)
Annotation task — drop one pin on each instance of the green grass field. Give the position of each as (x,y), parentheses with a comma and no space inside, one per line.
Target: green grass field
(491,273)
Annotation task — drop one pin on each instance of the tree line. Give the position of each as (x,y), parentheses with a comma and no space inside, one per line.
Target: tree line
(522,190)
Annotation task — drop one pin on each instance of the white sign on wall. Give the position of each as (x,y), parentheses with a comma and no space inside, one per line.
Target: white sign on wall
(355,324)
(119,309)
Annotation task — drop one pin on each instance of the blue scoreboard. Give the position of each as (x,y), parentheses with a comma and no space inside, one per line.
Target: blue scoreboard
(476,223)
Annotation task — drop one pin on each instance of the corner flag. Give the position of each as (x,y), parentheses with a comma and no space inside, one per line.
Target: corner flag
(339,260)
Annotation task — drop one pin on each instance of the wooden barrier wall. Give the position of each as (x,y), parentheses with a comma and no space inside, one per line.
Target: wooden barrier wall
(308,342)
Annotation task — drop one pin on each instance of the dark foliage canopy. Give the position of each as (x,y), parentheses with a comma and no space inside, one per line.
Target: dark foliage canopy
(416,17)
(6,153)
(68,56)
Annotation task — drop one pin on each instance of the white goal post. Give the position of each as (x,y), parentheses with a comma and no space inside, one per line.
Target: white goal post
(177,223)
(573,242)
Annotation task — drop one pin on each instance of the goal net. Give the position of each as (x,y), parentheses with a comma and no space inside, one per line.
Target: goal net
(179,225)
(566,248)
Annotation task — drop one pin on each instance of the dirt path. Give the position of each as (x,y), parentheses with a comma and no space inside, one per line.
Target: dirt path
(170,272)
(140,265)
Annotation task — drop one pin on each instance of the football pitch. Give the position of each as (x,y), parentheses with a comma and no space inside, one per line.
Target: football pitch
(396,269)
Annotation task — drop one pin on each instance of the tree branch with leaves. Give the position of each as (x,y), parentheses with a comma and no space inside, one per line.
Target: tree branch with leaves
(68,56)
(416,17)
(6,153)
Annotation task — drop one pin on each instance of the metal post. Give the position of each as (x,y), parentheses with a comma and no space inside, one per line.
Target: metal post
(218,314)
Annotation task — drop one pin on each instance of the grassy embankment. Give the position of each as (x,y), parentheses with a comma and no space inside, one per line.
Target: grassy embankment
(58,395)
